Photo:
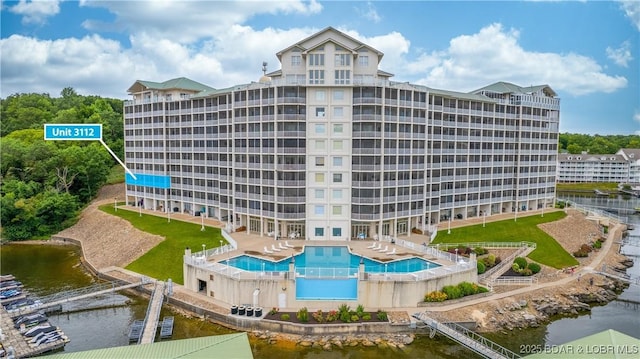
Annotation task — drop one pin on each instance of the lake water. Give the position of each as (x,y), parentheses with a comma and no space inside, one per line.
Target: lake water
(45,269)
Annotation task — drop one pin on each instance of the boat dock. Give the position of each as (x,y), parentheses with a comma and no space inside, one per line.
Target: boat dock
(153,314)
(166,328)
(76,294)
(479,344)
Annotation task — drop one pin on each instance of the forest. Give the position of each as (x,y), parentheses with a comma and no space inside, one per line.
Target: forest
(44,184)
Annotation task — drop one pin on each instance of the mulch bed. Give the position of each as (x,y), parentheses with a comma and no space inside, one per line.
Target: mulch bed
(294,319)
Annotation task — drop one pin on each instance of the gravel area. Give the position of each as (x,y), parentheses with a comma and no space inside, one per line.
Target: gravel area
(108,240)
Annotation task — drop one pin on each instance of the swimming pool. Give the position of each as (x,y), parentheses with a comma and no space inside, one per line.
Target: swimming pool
(327,261)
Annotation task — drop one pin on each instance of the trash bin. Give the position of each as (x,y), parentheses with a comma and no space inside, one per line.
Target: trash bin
(249,311)
(234,309)
(258,312)
(241,310)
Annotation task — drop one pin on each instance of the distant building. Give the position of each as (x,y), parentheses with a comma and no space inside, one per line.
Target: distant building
(633,156)
(328,147)
(622,167)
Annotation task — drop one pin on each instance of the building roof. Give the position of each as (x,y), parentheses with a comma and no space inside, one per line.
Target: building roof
(587,157)
(299,45)
(235,346)
(631,154)
(608,344)
(180,83)
(506,87)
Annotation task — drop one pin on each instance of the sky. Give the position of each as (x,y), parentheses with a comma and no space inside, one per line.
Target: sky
(587,51)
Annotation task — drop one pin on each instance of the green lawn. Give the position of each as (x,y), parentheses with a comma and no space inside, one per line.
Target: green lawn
(548,251)
(164,261)
(603,186)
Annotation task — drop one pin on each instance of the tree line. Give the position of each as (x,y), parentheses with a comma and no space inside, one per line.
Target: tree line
(44,184)
(576,143)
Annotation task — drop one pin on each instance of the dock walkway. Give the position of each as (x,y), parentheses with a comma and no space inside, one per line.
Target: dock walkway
(153,314)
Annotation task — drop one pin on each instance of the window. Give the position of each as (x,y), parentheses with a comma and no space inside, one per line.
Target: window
(338,128)
(319,111)
(342,77)
(336,232)
(316,76)
(337,178)
(318,209)
(337,145)
(319,231)
(337,161)
(296,60)
(343,60)
(338,112)
(320,145)
(321,128)
(316,60)
(338,94)
(337,194)
(320,95)
(319,177)
(363,60)
(319,193)
(320,161)
(336,210)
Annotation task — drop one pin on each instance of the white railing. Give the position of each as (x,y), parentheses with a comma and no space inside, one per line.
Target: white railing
(317,272)
(228,238)
(515,281)
(486,245)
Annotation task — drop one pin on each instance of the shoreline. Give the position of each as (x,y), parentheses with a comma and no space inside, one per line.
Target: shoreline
(515,308)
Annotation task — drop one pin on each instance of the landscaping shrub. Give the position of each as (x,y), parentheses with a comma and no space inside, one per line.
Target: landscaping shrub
(435,296)
(468,288)
(332,316)
(318,316)
(343,313)
(480,251)
(355,318)
(534,267)
(285,317)
(382,315)
(586,248)
(522,262)
(481,267)
(526,272)
(273,311)
(580,254)
(360,310)
(489,261)
(597,244)
(303,315)
(366,316)
(452,292)
(515,267)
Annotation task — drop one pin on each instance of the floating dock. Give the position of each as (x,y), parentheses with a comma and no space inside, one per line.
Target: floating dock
(166,328)
(136,330)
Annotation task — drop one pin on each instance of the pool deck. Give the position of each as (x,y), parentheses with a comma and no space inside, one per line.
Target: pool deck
(254,244)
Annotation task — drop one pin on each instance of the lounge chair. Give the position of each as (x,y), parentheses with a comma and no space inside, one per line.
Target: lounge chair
(393,251)
(386,248)
(282,246)
(377,247)
(267,250)
(273,248)
(286,243)
(371,246)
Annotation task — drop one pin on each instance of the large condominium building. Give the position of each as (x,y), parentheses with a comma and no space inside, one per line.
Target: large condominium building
(621,167)
(328,147)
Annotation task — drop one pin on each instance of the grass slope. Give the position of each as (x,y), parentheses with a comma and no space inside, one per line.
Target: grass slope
(164,261)
(548,251)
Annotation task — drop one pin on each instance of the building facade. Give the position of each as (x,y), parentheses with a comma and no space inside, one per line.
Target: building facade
(621,167)
(329,147)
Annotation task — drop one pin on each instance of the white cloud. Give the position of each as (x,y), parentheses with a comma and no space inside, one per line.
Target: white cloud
(620,56)
(494,54)
(188,21)
(631,9)
(36,11)
(369,12)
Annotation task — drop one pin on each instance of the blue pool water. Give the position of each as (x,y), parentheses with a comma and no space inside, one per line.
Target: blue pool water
(330,261)
(326,289)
